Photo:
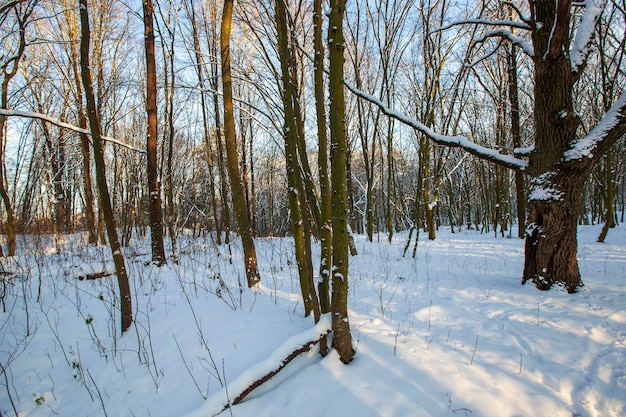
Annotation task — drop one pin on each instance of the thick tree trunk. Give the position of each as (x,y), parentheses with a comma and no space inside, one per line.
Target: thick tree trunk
(551,244)
(553,208)
(237,191)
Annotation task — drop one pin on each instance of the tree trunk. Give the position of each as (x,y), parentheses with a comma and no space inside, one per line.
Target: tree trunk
(156,215)
(520,187)
(300,221)
(200,72)
(550,247)
(342,339)
(326,231)
(554,205)
(103,190)
(237,191)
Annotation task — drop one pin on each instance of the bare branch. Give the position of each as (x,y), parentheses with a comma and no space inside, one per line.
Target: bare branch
(558,34)
(518,11)
(10,4)
(64,125)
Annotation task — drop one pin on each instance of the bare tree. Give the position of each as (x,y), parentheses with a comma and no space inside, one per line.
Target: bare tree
(18,14)
(103,190)
(154,189)
(557,165)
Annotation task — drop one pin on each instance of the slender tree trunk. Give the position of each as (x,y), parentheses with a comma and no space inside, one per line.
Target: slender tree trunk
(200,72)
(237,191)
(103,190)
(326,235)
(155,210)
(90,215)
(9,69)
(342,339)
(213,50)
(520,187)
(300,223)
(169,138)
(609,201)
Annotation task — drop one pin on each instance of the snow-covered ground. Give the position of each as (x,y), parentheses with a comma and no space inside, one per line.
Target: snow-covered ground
(451,332)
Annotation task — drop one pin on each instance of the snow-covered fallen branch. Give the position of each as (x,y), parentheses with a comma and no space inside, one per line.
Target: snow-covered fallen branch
(64,125)
(235,391)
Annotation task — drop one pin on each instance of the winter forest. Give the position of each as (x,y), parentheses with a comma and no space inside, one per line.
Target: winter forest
(312,208)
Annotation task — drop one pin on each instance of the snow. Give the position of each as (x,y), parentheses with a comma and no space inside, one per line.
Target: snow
(585,147)
(585,31)
(449,333)
(542,189)
(57,122)
(452,141)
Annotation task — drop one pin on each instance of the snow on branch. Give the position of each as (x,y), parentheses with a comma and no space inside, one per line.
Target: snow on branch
(584,33)
(457,141)
(611,128)
(235,391)
(59,123)
(486,22)
(507,34)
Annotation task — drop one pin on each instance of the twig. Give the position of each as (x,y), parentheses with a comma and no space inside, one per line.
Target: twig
(99,394)
(186,366)
(474,352)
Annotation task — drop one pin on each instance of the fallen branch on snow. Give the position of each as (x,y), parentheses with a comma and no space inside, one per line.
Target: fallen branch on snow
(262,372)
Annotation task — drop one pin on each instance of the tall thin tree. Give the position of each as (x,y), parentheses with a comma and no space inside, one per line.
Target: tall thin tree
(237,190)
(103,190)
(154,189)
(342,339)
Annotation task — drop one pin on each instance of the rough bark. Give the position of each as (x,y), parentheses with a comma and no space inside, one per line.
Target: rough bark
(237,191)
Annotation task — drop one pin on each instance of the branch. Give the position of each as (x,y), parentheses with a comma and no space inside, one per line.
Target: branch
(486,22)
(449,141)
(264,371)
(558,34)
(457,141)
(507,34)
(603,136)
(64,125)
(10,4)
(584,33)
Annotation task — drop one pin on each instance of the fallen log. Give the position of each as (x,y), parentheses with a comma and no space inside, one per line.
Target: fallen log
(236,391)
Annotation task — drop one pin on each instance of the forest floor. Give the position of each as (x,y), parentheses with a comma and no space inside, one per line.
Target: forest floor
(450,332)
